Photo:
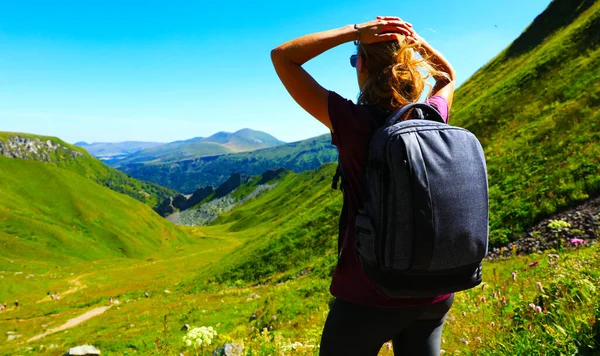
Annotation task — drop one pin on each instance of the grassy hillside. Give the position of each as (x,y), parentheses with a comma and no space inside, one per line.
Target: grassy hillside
(53,214)
(536,109)
(299,233)
(77,160)
(188,175)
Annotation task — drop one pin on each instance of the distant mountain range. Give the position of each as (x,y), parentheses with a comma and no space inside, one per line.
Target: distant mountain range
(188,175)
(119,154)
(110,150)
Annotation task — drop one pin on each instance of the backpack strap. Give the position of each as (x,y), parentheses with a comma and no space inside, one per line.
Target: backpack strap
(339,174)
(424,112)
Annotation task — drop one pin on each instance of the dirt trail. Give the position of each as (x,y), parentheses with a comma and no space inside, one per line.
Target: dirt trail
(78,286)
(73,322)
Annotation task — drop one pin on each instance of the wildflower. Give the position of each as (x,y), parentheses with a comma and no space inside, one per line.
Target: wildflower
(532,306)
(483,286)
(442,352)
(464,341)
(388,345)
(558,224)
(553,256)
(538,309)
(492,324)
(533,264)
(577,242)
(504,301)
(539,286)
(199,337)
(494,294)
(514,275)
(478,338)
(464,313)
(483,299)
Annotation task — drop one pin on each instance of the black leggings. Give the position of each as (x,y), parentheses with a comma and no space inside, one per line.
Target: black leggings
(353,329)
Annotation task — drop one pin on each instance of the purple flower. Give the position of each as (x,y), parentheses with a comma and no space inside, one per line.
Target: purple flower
(578,242)
(539,286)
(532,306)
(533,264)
(514,275)
(538,309)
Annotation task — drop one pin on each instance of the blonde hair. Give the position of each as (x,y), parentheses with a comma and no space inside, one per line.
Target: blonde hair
(396,74)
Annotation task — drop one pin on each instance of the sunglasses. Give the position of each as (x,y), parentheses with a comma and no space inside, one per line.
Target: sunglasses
(353,59)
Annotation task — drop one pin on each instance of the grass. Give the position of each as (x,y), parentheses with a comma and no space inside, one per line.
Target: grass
(260,273)
(53,215)
(536,113)
(271,318)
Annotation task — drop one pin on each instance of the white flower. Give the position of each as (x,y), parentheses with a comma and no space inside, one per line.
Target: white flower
(198,337)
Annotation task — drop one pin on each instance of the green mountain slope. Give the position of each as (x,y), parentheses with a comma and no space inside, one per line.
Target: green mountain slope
(58,153)
(186,176)
(49,213)
(535,107)
(540,136)
(289,228)
(220,143)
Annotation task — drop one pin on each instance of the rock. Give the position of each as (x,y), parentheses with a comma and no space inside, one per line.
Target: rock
(83,351)
(180,202)
(166,207)
(229,350)
(253,296)
(199,195)
(584,224)
(14,337)
(234,181)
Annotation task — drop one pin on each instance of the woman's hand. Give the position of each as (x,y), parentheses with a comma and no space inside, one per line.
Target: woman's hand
(384,28)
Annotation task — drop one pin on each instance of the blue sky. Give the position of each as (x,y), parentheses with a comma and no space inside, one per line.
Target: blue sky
(162,71)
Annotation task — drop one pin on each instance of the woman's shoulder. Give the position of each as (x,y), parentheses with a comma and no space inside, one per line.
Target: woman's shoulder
(348,119)
(441,104)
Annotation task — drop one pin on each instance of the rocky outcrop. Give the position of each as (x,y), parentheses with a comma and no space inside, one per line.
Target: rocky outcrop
(36,149)
(581,222)
(200,194)
(234,181)
(271,174)
(166,207)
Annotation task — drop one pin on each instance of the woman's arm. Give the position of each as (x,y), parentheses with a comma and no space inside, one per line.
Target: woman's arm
(289,57)
(444,86)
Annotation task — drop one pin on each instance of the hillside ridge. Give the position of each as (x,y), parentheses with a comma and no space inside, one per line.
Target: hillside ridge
(52,150)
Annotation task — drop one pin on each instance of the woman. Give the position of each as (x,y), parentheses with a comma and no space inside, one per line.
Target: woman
(390,75)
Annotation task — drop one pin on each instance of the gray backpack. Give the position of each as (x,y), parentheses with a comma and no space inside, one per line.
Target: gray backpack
(423,230)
